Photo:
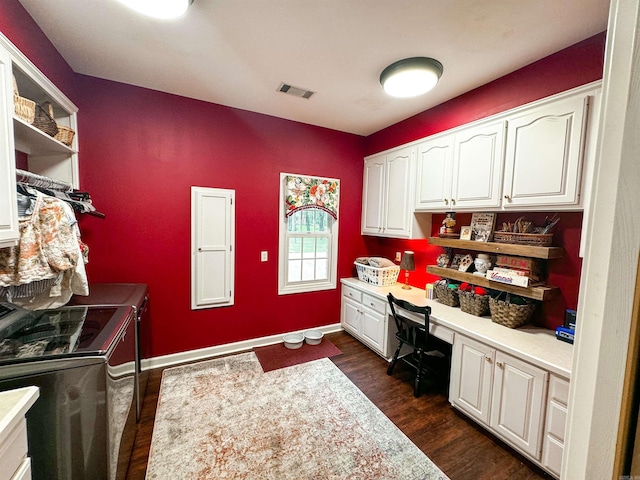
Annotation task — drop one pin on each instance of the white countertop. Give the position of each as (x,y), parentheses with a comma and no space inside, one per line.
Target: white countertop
(537,346)
(14,404)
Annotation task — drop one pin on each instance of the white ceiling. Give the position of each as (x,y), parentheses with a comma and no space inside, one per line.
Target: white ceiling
(237,52)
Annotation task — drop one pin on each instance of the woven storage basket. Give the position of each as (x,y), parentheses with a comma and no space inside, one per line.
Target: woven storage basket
(44,119)
(540,239)
(446,296)
(509,314)
(477,305)
(380,277)
(23,107)
(65,135)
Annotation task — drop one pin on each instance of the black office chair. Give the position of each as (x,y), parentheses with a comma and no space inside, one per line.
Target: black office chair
(430,356)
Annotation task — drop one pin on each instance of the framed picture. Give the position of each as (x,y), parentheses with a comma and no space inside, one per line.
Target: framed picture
(482,225)
(465,233)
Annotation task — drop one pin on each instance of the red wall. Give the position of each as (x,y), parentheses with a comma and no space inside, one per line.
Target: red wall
(574,66)
(142,150)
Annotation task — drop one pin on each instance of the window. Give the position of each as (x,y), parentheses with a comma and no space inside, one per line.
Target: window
(308,234)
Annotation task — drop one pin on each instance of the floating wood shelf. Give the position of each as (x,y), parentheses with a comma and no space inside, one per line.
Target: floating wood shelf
(541,292)
(532,251)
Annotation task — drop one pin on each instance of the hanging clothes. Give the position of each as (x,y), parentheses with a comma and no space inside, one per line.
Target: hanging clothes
(49,256)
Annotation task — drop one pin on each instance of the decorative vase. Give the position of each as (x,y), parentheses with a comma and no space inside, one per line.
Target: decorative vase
(482,264)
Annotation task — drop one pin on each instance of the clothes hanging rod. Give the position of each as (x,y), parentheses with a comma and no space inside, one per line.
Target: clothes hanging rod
(36,180)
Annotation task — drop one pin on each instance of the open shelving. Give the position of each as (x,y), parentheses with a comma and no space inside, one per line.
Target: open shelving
(536,292)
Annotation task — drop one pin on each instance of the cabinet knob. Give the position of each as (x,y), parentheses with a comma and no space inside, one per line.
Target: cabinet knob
(488,359)
(499,364)
(507,197)
(453,201)
(446,201)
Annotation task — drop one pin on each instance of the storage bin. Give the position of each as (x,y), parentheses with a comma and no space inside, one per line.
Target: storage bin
(380,277)
(510,314)
(446,295)
(474,304)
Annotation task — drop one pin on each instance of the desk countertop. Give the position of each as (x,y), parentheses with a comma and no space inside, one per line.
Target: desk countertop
(537,346)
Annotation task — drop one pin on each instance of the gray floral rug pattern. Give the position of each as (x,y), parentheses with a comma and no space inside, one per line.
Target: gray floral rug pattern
(227,419)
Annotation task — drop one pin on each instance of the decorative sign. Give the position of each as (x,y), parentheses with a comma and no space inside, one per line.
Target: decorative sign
(511,277)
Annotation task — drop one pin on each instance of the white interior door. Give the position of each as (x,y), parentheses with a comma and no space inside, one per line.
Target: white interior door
(212,239)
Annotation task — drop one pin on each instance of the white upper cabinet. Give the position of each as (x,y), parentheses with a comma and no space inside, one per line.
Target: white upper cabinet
(434,170)
(462,170)
(545,148)
(477,167)
(387,196)
(373,195)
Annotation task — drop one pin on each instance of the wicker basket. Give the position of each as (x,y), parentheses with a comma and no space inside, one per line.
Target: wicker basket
(44,119)
(446,296)
(380,277)
(23,108)
(540,239)
(477,305)
(509,314)
(65,135)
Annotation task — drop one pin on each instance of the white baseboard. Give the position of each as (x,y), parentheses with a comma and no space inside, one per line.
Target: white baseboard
(226,349)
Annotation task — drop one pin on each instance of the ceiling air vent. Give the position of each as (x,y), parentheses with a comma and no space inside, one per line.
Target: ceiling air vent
(295,91)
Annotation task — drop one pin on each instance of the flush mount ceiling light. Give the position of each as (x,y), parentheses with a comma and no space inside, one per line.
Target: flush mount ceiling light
(164,9)
(411,77)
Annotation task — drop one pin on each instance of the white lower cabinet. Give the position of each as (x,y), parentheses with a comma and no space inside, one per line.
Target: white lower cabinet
(502,392)
(365,317)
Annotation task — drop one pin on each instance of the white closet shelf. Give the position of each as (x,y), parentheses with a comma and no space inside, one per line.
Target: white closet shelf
(32,141)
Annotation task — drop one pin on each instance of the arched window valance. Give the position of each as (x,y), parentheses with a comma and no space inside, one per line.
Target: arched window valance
(311,192)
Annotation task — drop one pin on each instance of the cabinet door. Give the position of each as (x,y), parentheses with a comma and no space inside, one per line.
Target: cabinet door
(471,377)
(398,194)
(373,195)
(8,206)
(544,155)
(212,239)
(350,316)
(519,391)
(372,329)
(434,170)
(477,167)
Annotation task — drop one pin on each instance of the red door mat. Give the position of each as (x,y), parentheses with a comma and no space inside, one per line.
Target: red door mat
(277,356)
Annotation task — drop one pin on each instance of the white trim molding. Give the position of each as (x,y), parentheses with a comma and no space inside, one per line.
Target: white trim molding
(226,349)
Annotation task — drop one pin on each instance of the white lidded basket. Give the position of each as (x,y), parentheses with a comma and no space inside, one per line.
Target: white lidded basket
(380,277)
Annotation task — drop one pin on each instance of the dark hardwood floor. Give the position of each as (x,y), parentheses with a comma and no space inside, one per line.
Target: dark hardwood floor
(462,450)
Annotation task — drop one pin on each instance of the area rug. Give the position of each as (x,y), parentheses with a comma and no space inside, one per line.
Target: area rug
(277,356)
(227,419)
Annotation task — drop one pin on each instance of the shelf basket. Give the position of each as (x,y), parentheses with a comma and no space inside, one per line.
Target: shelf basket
(446,296)
(380,277)
(538,239)
(510,314)
(23,108)
(44,119)
(477,305)
(65,135)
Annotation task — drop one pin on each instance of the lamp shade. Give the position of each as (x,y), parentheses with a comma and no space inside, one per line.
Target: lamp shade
(411,77)
(407,262)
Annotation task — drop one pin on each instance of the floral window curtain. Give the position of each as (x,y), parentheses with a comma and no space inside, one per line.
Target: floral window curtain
(311,192)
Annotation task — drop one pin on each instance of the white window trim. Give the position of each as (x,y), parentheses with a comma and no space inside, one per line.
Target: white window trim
(310,286)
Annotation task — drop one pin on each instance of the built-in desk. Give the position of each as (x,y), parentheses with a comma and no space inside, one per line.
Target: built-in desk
(513,382)
(537,346)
